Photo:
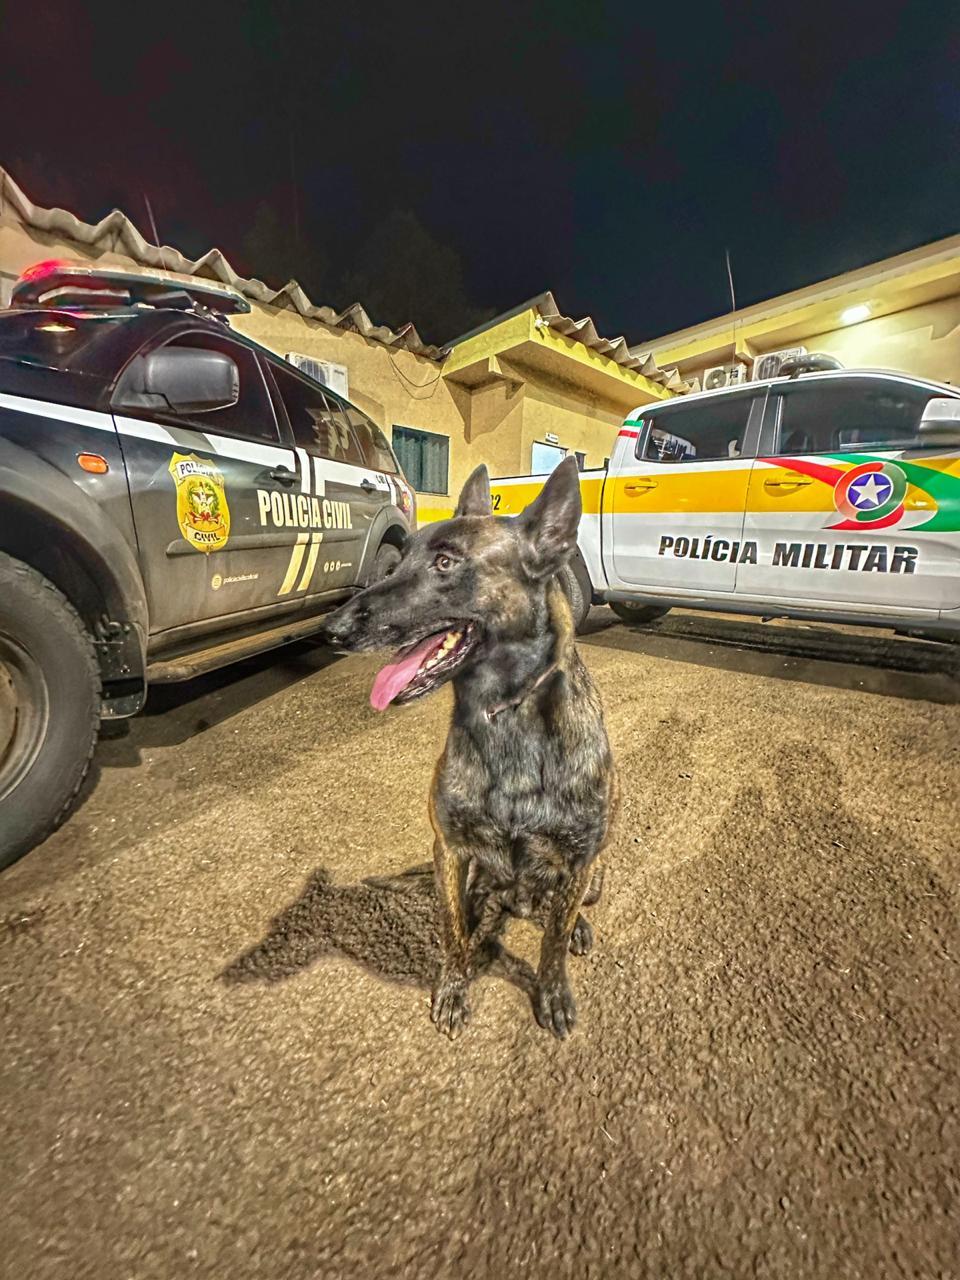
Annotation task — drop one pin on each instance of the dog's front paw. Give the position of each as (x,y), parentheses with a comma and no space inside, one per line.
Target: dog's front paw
(449,1010)
(555,1008)
(581,940)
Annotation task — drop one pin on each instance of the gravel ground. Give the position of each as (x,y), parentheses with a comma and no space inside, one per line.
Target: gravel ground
(217,1055)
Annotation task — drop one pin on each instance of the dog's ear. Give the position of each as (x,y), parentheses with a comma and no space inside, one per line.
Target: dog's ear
(475,495)
(547,529)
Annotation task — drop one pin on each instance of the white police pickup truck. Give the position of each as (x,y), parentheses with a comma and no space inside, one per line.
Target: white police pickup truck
(832,496)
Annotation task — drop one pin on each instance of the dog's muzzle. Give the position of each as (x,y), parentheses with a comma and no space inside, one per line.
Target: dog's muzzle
(344,627)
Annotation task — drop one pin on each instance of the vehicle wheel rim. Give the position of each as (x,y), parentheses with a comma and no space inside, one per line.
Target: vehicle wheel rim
(24,713)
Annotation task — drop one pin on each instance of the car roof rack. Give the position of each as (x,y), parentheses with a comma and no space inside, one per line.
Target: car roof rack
(76,286)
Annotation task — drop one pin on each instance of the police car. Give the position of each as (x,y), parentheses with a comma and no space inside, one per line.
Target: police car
(173,497)
(827,494)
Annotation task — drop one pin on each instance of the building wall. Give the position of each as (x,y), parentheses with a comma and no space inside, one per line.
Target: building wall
(923,340)
(582,423)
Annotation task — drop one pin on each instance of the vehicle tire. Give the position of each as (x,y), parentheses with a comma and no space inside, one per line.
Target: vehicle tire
(384,563)
(636,615)
(578,590)
(49,707)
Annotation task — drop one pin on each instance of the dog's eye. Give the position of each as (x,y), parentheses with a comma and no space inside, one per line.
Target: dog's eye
(443,563)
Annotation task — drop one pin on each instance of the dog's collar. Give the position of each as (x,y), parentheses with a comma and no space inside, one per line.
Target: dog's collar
(490,712)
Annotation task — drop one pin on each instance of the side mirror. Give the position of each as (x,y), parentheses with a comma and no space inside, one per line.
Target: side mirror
(180,380)
(940,421)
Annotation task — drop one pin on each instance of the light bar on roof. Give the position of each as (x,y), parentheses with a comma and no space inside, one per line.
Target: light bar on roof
(65,284)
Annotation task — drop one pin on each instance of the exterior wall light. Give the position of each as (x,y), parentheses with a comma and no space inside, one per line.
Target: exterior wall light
(853,315)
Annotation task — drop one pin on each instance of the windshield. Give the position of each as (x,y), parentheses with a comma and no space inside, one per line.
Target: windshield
(53,340)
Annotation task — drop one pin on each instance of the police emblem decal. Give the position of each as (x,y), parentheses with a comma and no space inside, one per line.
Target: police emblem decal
(870,494)
(202,510)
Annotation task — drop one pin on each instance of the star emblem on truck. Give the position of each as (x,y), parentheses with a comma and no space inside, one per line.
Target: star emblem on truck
(871,491)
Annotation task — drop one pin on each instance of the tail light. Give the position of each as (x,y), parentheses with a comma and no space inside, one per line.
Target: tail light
(406,500)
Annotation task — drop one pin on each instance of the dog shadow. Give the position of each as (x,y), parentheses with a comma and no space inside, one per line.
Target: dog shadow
(386,924)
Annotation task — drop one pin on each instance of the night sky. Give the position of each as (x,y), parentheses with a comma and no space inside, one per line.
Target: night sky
(609,152)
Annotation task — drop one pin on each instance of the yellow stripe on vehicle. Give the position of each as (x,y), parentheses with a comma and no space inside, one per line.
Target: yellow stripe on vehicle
(510,499)
(663,492)
(315,540)
(681,492)
(293,568)
(641,492)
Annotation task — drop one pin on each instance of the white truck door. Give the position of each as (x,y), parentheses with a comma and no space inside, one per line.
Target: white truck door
(848,506)
(674,501)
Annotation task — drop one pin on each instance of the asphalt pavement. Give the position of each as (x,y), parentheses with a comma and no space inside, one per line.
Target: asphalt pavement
(217,1057)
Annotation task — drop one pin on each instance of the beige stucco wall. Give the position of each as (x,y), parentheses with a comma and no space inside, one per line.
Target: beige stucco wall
(922,340)
(580,421)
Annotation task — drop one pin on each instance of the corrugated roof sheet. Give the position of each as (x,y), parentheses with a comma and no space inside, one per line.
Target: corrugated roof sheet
(117,234)
(615,349)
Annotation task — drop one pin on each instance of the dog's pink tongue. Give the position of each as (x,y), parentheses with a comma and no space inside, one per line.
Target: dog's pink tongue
(396,675)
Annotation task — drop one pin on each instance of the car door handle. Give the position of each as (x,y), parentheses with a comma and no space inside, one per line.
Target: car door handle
(284,475)
(368,486)
(639,486)
(793,480)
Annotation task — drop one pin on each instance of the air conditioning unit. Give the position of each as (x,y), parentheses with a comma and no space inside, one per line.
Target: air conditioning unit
(769,365)
(724,375)
(333,376)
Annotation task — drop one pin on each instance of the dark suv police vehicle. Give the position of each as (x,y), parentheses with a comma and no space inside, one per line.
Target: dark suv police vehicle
(173,497)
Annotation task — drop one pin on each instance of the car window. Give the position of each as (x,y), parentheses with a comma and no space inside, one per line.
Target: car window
(251,417)
(373,443)
(704,431)
(849,416)
(319,422)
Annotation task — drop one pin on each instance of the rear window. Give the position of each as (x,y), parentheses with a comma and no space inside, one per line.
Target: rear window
(334,436)
(705,430)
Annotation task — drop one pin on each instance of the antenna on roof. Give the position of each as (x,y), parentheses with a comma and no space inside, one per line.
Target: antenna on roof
(156,234)
(733,301)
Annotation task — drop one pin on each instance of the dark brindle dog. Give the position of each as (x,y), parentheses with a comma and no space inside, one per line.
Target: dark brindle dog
(524,793)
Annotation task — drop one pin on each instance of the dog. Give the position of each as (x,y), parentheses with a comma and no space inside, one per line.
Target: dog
(525,791)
